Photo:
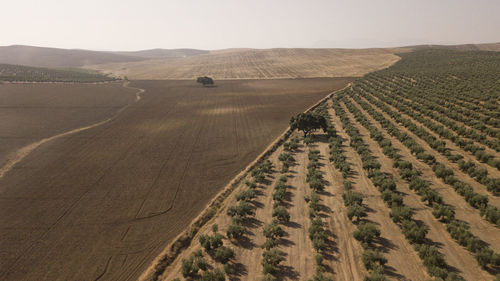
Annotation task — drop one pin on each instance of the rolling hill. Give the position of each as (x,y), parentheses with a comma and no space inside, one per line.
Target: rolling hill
(259,64)
(54,57)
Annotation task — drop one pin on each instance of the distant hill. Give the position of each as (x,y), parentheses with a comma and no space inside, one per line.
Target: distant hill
(241,63)
(463,47)
(19,73)
(53,57)
(164,53)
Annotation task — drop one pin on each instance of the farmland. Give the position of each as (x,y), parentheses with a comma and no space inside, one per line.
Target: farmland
(33,112)
(258,64)
(402,185)
(101,203)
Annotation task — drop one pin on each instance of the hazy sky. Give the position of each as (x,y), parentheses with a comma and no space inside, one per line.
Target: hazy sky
(216,24)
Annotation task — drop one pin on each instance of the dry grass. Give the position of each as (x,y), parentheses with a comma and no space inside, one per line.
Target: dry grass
(259,63)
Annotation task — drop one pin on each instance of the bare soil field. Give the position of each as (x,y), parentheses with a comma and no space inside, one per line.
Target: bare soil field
(100,204)
(32,112)
(259,64)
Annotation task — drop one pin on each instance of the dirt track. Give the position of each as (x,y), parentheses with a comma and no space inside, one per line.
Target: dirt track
(103,202)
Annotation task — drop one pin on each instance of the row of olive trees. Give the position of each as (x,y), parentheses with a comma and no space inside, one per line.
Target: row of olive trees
(489,212)
(444,213)
(414,231)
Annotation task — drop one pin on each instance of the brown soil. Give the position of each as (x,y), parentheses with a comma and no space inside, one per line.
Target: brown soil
(105,201)
(32,112)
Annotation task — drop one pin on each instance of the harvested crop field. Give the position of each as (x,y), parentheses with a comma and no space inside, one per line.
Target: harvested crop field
(101,203)
(259,64)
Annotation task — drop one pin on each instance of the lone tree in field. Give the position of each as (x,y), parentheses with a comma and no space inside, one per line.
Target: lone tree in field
(307,122)
(205,80)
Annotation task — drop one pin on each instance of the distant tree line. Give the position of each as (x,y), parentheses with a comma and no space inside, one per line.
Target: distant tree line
(19,73)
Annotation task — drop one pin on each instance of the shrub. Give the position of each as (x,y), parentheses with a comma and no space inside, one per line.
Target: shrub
(281,214)
(187,268)
(347,185)
(235,231)
(350,198)
(215,275)
(271,259)
(205,242)
(245,195)
(242,209)
(366,233)
(223,254)
(356,211)
(413,232)
(269,244)
(400,213)
(433,260)
(443,213)
(229,269)
(373,259)
(375,275)
(317,234)
(210,242)
(273,230)
(201,263)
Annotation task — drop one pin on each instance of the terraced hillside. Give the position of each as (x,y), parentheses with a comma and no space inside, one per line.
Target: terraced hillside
(403,185)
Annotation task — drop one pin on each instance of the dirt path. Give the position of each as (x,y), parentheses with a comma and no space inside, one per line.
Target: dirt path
(300,252)
(456,256)
(346,261)
(26,150)
(403,261)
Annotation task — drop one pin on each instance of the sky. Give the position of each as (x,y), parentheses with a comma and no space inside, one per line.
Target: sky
(123,25)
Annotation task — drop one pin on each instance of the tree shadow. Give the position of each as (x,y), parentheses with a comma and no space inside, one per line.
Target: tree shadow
(391,271)
(324,192)
(266,181)
(239,270)
(292,224)
(325,209)
(383,245)
(257,204)
(252,222)
(244,242)
(368,209)
(287,272)
(286,242)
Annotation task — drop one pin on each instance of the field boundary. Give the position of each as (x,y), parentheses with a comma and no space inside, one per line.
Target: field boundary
(184,239)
